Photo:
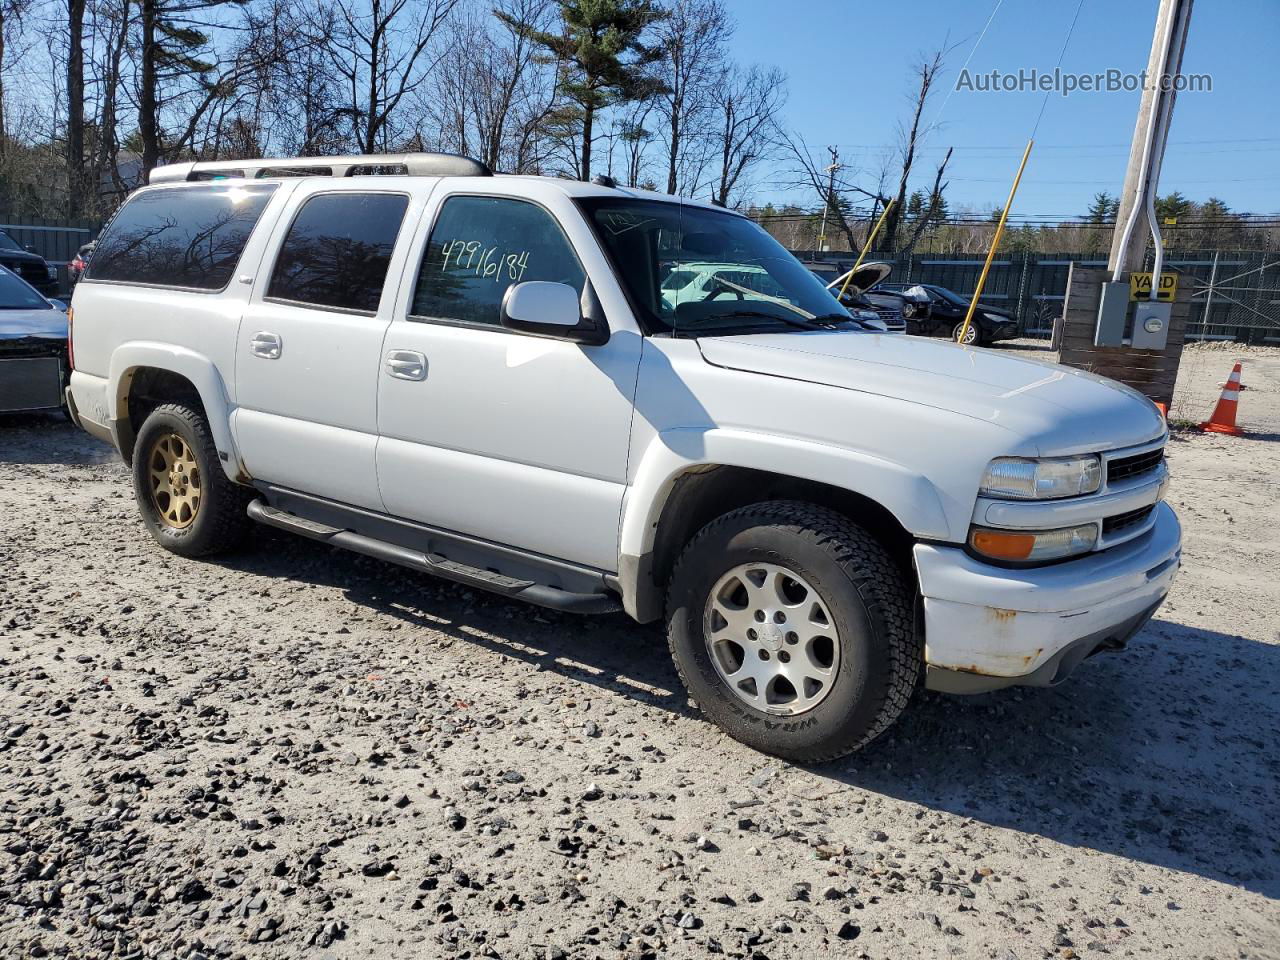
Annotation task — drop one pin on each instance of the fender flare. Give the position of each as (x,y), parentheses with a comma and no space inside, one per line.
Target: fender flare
(909,496)
(203,374)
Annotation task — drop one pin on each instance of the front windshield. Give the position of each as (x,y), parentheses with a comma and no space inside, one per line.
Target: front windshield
(8,243)
(16,294)
(689,268)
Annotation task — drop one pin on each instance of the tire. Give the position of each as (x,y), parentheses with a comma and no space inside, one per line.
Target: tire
(976,338)
(866,601)
(214,519)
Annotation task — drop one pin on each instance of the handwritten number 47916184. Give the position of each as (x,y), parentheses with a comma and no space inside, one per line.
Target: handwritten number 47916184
(484,261)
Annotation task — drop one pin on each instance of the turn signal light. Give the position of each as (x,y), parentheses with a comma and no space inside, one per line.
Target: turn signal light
(1001,545)
(1016,546)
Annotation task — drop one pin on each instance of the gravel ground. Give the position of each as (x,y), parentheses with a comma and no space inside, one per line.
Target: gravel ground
(299,752)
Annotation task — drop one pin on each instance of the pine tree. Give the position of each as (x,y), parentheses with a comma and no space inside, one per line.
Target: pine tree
(1104,209)
(171,44)
(603,58)
(1173,206)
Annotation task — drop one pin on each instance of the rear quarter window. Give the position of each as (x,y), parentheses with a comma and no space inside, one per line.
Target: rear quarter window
(187,237)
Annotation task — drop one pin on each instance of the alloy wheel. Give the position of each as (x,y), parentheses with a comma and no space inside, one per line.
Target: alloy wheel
(772,638)
(175,481)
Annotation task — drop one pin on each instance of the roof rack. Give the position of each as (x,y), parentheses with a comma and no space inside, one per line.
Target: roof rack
(413,164)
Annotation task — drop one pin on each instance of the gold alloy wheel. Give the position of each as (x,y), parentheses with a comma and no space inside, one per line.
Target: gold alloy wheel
(175,481)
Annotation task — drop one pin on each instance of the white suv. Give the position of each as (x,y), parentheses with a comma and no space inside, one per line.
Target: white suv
(480,377)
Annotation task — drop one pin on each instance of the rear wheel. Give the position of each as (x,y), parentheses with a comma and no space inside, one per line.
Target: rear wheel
(187,503)
(792,630)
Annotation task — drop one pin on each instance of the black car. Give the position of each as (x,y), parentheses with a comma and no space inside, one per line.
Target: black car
(34,364)
(945,316)
(30,266)
(894,310)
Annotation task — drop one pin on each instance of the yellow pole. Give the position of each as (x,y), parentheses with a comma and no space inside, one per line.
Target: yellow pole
(995,243)
(865,247)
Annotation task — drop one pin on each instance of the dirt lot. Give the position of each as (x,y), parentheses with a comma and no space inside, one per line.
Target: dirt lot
(297,752)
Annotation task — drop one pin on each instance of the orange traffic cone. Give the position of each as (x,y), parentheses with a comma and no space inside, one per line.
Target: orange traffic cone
(1224,414)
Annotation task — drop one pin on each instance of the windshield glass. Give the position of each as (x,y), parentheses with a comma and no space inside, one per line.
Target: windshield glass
(688,268)
(8,243)
(15,294)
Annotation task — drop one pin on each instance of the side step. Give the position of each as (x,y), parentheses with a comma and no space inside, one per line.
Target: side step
(435,564)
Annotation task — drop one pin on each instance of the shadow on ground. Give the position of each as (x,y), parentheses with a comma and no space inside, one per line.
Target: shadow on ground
(1166,753)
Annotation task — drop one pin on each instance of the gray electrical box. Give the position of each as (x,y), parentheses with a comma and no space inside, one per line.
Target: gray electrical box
(1151,324)
(1113,311)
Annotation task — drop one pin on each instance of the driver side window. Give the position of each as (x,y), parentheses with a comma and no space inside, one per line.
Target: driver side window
(480,246)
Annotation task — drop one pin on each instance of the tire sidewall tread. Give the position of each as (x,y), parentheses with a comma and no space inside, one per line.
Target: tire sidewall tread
(221,522)
(865,592)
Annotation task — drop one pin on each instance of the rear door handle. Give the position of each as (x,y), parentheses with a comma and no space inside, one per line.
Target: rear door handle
(265,345)
(406,365)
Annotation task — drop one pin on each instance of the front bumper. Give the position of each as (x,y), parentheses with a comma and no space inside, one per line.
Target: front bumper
(988,627)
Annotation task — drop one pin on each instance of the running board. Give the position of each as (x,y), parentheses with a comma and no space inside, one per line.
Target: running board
(435,564)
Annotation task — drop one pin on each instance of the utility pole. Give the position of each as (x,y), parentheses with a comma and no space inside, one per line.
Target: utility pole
(831,195)
(1172,21)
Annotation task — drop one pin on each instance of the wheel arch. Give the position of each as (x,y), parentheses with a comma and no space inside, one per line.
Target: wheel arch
(144,375)
(673,498)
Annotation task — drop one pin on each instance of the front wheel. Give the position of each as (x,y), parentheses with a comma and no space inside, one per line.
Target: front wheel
(187,503)
(972,336)
(791,628)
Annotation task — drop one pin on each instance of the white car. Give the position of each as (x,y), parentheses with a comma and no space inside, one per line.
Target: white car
(480,377)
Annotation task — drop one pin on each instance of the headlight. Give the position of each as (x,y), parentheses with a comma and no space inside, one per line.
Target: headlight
(1018,478)
(53,271)
(1022,547)
(996,318)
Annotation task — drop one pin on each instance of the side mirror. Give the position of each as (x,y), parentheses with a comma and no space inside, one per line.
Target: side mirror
(30,248)
(547,309)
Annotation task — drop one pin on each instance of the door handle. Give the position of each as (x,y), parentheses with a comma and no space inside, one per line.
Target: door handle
(406,365)
(265,345)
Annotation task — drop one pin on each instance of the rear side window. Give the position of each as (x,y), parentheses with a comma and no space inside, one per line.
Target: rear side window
(482,245)
(189,237)
(337,251)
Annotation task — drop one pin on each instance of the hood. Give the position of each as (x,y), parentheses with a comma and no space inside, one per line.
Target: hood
(46,324)
(1056,410)
(13,256)
(864,278)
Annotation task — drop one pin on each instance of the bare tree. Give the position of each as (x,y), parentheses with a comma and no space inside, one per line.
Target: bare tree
(932,207)
(381,49)
(489,86)
(12,13)
(693,40)
(926,72)
(746,115)
(832,187)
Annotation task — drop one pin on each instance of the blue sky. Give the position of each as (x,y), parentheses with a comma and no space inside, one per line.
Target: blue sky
(850,62)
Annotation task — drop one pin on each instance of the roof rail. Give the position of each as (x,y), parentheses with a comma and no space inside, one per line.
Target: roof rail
(414,164)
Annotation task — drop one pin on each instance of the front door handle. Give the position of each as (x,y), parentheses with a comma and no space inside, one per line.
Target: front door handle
(265,345)
(406,365)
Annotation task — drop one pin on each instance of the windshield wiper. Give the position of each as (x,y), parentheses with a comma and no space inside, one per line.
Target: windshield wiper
(761,314)
(831,319)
